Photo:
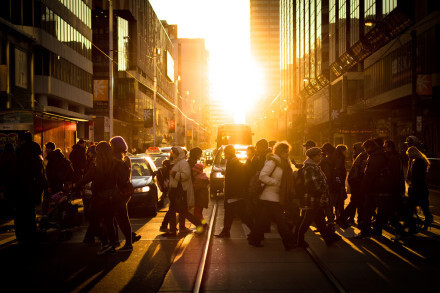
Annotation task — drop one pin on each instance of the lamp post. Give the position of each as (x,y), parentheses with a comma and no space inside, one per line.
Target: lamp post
(110,67)
(156,52)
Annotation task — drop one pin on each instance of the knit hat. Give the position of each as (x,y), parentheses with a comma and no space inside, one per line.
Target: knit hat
(309,144)
(313,152)
(198,168)
(118,143)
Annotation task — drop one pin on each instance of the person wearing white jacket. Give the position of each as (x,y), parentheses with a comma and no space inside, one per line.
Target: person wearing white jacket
(181,172)
(277,165)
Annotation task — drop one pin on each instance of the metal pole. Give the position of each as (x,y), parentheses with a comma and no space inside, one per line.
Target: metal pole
(176,100)
(154,95)
(110,67)
(184,117)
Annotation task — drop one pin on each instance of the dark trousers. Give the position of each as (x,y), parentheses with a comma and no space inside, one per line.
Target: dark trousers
(120,213)
(315,214)
(274,211)
(100,221)
(355,202)
(232,209)
(183,214)
(166,220)
(366,212)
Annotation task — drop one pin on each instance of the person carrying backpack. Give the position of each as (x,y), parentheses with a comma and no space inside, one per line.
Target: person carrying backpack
(315,200)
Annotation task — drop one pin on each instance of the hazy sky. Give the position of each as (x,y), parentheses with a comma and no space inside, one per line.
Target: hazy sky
(224,24)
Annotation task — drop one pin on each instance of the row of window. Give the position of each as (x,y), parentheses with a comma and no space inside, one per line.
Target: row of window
(49,64)
(80,10)
(63,31)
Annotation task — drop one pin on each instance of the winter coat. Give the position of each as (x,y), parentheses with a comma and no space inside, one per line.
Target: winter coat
(79,160)
(397,177)
(7,173)
(271,175)
(375,180)
(329,169)
(58,171)
(258,161)
(201,192)
(234,176)
(316,185)
(416,177)
(356,173)
(29,179)
(116,179)
(183,174)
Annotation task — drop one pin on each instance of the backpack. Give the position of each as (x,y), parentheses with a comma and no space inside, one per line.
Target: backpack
(256,187)
(299,184)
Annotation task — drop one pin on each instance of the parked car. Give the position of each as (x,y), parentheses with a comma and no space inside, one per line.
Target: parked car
(147,197)
(208,157)
(158,158)
(217,177)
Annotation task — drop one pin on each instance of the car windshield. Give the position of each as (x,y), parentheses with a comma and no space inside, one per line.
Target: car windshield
(140,168)
(158,159)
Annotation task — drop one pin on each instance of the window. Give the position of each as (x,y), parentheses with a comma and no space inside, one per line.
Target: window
(21,76)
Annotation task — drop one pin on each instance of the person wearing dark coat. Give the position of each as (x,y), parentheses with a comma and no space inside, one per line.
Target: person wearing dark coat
(7,176)
(374,183)
(355,177)
(234,192)
(59,172)
(418,191)
(397,184)
(108,177)
(194,155)
(29,185)
(78,159)
(315,201)
(328,167)
(341,174)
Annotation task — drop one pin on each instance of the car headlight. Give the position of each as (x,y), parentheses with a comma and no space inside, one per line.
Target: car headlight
(218,175)
(142,189)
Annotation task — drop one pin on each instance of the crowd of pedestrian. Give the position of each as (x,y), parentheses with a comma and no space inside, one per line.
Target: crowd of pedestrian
(265,189)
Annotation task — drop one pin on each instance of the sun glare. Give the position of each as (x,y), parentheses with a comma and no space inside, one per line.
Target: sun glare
(234,78)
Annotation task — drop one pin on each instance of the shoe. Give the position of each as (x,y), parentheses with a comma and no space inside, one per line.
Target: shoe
(223,235)
(185,231)
(116,244)
(427,223)
(163,229)
(170,234)
(361,236)
(255,244)
(333,239)
(126,248)
(104,249)
(135,237)
(343,224)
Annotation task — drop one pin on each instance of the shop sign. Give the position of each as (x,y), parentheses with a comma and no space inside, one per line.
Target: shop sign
(100,93)
(355,131)
(189,132)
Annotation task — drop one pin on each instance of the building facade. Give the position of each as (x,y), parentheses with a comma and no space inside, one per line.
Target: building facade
(191,70)
(380,79)
(265,43)
(142,54)
(46,70)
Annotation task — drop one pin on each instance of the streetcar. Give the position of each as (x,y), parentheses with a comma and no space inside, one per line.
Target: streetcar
(236,134)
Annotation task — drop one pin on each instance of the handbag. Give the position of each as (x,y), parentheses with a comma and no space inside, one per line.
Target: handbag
(178,198)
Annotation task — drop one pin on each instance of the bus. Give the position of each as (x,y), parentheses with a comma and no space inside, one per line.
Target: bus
(234,134)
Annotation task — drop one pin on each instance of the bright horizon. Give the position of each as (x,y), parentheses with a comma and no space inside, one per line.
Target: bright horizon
(233,77)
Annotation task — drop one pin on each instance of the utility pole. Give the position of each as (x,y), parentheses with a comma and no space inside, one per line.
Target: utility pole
(110,66)
(154,94)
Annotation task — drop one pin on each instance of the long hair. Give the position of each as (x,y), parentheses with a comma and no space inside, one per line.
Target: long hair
(105,160)
(281,147)
(414,153)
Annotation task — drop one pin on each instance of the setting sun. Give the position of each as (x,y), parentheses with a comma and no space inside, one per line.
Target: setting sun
(234,78)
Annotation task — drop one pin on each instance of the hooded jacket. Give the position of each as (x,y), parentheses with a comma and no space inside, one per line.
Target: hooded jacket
(58,170)
(183,174)
(271,175)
